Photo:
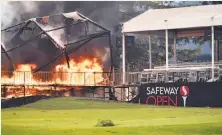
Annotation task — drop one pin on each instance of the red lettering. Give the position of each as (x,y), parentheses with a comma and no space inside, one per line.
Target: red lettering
(164,100)
(147,100)
(171,101)
(159,100)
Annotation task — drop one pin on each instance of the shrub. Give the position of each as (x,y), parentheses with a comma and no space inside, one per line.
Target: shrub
(104,123)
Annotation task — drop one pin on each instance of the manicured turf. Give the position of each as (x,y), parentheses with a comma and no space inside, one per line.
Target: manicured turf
(78,117)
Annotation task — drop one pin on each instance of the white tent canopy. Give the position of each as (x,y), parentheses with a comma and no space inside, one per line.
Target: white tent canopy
(171,19)
(175,18)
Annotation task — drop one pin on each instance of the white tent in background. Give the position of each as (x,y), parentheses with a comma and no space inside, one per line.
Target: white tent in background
(173,19)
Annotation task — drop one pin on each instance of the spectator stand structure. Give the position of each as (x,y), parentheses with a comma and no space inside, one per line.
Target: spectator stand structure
(173,23)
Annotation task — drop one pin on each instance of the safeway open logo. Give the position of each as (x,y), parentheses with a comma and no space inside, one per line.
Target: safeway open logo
(184,92)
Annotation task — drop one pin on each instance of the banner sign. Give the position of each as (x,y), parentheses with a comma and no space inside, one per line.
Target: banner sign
(182,94)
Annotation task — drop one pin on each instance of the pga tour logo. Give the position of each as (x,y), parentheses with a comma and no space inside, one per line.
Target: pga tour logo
(184,91)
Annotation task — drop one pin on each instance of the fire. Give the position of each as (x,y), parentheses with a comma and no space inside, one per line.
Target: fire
(85,71)
(22,75)
(26,67)
(82,72)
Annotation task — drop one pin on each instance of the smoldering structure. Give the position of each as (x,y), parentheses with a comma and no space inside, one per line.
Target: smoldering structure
(58,35)
(49,41)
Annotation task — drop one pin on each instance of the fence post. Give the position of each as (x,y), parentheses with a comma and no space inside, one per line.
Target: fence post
(104,93)
(128,94)
(113,76)
(93,92)
(70,77)
(121,94)
(24,78)
(54,76)
(24,88)
(51,92)
(84,78)
(4,92)
(14,77)
(94,79)
(24,95)
(197,76)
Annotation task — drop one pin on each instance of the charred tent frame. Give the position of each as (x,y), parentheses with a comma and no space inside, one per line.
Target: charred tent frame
(69,19)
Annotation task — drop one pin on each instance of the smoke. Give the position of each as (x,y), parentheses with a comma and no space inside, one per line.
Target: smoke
(106,14)
(15,12)
(57,35)
(12,12)
(103,54)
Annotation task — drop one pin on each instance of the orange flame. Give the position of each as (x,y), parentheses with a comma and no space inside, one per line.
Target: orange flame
(26,67)
(82,72)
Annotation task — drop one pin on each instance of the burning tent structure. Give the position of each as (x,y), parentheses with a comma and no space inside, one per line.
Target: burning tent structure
(68,32)
(45,43)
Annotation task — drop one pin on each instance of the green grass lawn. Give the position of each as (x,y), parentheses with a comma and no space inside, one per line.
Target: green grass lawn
(69,116)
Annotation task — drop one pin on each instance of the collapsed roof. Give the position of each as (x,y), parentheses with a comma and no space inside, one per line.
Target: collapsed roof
(67,31)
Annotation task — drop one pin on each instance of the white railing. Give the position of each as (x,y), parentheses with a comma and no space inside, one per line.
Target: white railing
(187,74)
(59,78)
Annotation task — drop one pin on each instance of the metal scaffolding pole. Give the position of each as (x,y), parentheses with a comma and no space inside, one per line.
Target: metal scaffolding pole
(174,48)
(123,58)
(167,55)
(111,55)
(212,56)
(150,52)
(167,46)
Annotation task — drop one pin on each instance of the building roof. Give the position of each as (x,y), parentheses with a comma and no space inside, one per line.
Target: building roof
(175,18)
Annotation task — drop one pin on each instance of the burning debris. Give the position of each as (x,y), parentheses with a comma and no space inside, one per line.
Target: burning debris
(51,40)
(68,32)
(81,73)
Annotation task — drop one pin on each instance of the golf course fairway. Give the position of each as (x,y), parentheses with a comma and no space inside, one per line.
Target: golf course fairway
(69,116)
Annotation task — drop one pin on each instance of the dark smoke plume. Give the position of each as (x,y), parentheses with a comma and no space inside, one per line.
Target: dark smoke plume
(15,12)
